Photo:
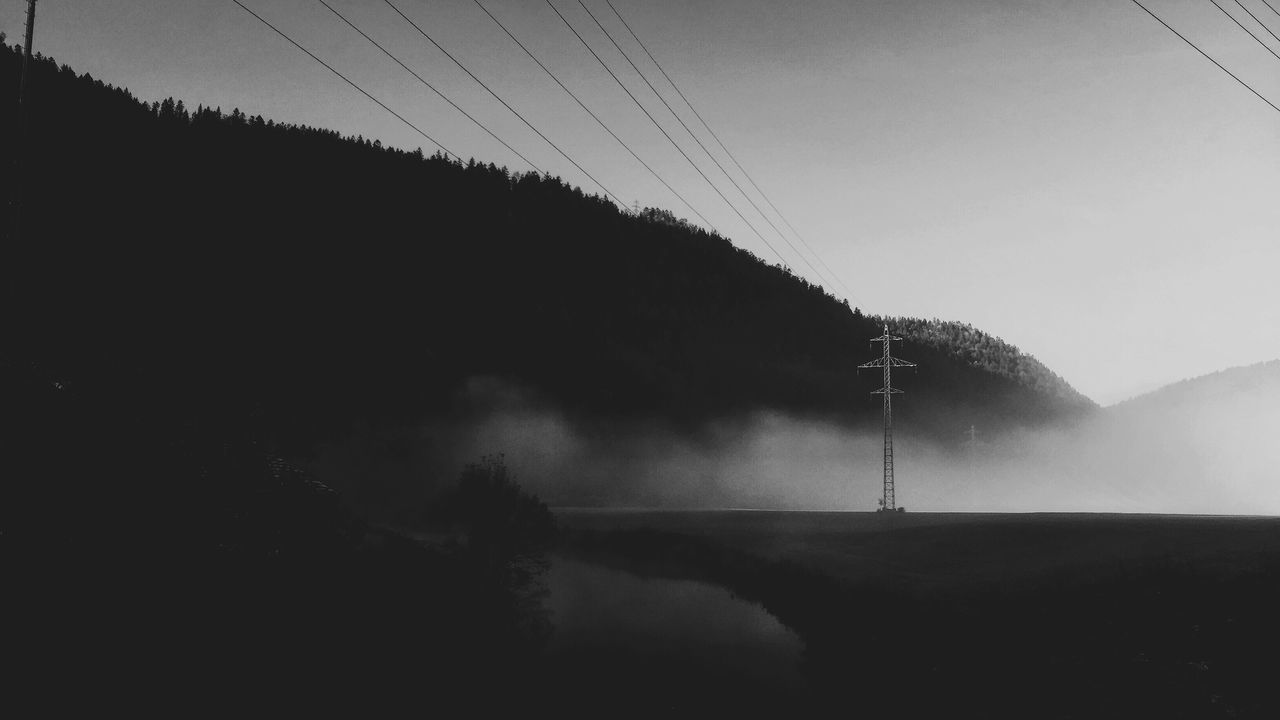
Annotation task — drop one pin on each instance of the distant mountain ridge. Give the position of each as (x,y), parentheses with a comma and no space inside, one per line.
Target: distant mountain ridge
(1206,444)
(1229,382)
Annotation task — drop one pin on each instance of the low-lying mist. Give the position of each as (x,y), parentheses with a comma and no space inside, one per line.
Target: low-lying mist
(1209,455)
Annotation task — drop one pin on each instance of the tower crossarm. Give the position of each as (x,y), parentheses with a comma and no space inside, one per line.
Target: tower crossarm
(887,361)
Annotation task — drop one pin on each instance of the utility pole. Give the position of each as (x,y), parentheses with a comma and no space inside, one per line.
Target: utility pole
(19,165)
(18,157)
(888,503)
(26,52)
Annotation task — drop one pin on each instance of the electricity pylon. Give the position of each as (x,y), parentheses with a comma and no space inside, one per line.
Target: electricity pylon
(26,47)
(19,166)
(888,362)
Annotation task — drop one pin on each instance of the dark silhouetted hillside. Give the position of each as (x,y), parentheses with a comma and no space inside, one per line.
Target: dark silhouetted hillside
(200,278)
(203,258)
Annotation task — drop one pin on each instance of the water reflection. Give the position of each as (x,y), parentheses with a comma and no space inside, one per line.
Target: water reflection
(661,641)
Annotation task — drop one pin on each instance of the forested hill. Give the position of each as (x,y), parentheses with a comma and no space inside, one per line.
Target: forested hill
(964,342)
(207,272)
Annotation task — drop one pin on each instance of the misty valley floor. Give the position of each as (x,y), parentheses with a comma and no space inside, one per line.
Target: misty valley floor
(971,615)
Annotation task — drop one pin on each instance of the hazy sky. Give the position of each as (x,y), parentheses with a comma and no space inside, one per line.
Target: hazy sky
(1067,175)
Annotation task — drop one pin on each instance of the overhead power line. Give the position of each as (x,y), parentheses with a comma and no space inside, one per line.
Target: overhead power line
(699,142)
(1242,27)
(1207,56)
(681,121)
(16,200)
(429,85)
(661,129)
(726,149)
(383,105)
(507,105)
(1255,19)
(595,117)
(1273,8)
(745,174)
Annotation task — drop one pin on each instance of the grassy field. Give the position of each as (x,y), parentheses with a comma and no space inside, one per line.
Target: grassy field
(953,551)
(991,615)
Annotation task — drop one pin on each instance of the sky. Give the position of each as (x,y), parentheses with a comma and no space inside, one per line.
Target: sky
(1067,175)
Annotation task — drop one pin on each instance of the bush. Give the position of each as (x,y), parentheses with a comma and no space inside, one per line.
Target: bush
(495,512)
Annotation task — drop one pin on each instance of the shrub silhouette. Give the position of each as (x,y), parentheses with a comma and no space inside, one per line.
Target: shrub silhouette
(498,516)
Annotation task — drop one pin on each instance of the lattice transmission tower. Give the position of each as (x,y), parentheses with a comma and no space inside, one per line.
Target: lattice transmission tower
(888,362)
(19,166)
(26,49)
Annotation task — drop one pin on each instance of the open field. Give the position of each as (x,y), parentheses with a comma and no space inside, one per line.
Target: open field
(990,615)
(939,551)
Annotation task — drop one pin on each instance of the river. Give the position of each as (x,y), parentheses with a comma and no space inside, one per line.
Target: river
(663,642)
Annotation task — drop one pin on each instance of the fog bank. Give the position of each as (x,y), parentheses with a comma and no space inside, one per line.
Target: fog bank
(1196,457)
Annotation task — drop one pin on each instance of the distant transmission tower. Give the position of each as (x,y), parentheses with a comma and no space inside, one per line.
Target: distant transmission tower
(26,49)
(16,200)
(888,362)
